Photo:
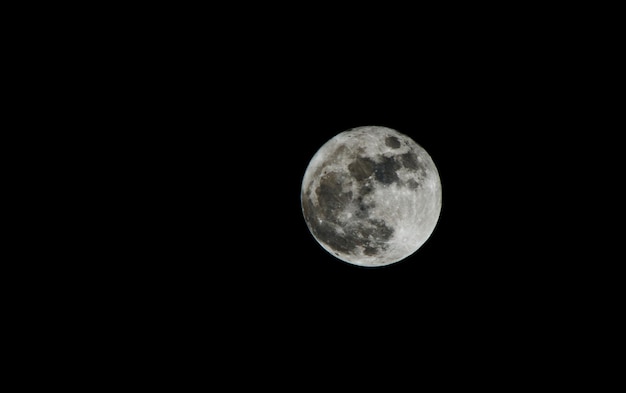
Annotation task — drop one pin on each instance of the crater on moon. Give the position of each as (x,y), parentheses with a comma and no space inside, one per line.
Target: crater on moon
(392,142)
(371,196)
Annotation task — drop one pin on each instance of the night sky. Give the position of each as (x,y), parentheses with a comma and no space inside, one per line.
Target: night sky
(231,155)
(211,148)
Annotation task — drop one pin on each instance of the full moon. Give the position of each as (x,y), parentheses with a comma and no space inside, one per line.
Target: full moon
(371,196)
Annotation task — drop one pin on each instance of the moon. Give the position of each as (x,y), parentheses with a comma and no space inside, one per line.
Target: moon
(371,196)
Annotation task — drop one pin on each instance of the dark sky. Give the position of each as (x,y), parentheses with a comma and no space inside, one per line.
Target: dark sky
(219,138)
(228,149)
(232,193)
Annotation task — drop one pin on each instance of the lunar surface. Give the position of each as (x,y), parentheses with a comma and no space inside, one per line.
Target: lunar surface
(371,196)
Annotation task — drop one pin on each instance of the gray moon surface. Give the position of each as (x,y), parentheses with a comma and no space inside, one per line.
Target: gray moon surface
(371,196)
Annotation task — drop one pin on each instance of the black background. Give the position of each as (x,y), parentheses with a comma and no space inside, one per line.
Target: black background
(230,136)
(205,131)
(226,150)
